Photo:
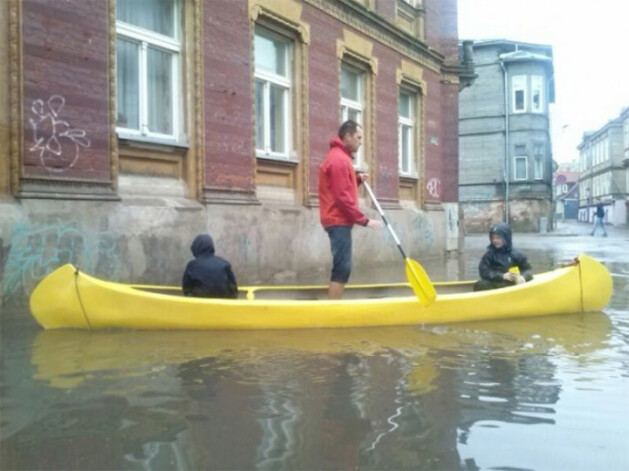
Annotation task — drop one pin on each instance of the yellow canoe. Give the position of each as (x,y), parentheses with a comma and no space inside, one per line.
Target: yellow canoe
(70,298)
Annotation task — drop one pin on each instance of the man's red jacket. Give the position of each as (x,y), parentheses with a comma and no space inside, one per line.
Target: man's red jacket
(338,188)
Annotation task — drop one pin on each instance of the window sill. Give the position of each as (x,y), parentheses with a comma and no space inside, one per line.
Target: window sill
(279,160)
(408,177)
(136,140)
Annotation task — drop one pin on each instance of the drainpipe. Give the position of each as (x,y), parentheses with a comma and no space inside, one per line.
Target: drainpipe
(506,163)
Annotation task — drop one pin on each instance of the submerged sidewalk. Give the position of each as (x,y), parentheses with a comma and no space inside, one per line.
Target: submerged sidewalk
(575,228)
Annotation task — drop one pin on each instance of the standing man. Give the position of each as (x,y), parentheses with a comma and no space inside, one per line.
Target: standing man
(338,202)
(599,219)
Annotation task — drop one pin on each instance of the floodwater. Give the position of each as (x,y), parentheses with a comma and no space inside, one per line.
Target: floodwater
(534,394)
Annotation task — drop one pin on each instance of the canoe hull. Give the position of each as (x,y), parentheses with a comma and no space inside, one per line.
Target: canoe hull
(67,298)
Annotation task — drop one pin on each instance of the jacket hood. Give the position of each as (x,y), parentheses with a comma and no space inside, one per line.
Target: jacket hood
(203,245)
(504,231)
(338,142)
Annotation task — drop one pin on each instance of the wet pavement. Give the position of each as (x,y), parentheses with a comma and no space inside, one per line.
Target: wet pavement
(539,394)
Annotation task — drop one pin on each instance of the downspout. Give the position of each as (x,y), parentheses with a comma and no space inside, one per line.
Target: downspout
(506,163)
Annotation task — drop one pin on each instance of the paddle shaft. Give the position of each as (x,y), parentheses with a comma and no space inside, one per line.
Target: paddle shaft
(384,218)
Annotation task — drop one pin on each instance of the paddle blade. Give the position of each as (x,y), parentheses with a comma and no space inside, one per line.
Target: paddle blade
(422,287)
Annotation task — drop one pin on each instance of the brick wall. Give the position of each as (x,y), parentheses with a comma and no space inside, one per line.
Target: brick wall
(66,89)
(229,149)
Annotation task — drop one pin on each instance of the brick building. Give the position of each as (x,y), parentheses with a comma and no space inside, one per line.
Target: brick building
(128,127)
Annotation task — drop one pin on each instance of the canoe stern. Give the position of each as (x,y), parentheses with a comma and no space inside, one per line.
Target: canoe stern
(596,284)
(54,302)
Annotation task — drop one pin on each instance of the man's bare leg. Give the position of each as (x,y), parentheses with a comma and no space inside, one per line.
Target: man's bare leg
(335,290)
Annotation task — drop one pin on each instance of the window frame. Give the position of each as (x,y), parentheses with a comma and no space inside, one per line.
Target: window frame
(173,45)
(287,83)
(537,85)
(347,104)
(518,83)
(515,167)
(538,161)
(411,123)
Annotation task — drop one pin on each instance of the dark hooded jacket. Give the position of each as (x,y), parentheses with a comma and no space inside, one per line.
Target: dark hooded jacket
(496,262)
(208,275)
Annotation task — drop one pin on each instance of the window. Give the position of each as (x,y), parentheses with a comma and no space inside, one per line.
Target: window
(353,102)
(538,156)
(520,167)
(518,85)
(537,95)
(273,82)
(406,132)
(148,50)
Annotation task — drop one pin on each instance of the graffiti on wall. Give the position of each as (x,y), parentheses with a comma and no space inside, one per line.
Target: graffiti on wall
(424,231)
(37,249)
(433,186)
(56,142)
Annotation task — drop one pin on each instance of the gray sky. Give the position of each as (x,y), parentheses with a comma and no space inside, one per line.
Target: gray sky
(591,55)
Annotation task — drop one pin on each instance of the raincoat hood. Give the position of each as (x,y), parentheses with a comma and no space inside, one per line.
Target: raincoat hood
(338,142)
(504,231)
(203,245)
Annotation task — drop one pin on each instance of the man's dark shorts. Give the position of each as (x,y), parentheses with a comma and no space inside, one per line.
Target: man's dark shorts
(341,244)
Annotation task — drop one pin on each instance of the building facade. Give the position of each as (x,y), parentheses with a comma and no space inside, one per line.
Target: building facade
(566,191)
(126,135)
(603,162)
(505,155)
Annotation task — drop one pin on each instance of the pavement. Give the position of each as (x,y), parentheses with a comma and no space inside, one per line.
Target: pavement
(569,237)
(574,228)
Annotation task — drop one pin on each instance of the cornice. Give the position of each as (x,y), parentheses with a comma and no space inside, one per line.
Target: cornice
(381,30)
(284,12)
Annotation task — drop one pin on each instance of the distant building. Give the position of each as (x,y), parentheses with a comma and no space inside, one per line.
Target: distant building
(603,158)
(505,156)
(566,191)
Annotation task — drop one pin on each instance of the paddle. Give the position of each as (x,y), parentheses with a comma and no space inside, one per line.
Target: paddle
(417,277)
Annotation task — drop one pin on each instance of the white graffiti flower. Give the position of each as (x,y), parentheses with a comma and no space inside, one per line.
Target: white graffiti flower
(57,143)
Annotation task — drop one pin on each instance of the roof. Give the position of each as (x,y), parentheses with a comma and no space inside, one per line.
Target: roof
(498,42)
(569,176)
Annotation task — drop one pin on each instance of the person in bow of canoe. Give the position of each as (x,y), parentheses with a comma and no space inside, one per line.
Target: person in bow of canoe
(208,275)
(502,265)
(338,202)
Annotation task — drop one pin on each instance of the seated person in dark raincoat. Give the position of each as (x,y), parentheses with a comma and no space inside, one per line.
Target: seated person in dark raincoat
(502,265)
(208,275)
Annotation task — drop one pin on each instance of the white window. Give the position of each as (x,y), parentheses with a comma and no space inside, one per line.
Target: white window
(406,132)
(537,94)
(518,86)
(538,156)
(520,163)
(273,82)
(353,102)
(148,58)
(521,168)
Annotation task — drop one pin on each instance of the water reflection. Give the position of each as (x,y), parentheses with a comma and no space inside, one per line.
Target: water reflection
(398,397)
